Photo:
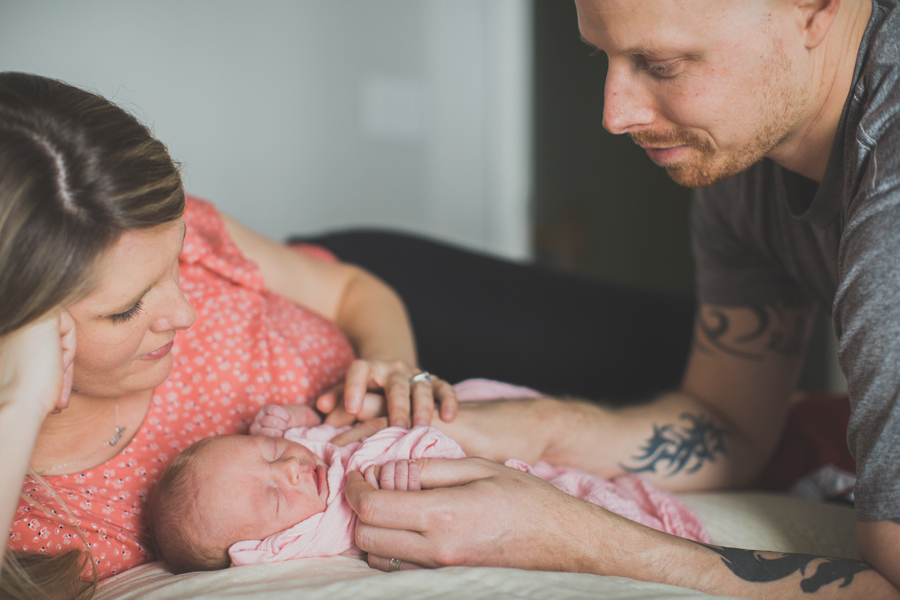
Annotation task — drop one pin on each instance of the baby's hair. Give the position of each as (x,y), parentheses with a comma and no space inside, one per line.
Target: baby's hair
(173,516)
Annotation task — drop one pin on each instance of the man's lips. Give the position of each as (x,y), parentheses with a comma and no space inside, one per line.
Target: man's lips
(159,352)
(664,155)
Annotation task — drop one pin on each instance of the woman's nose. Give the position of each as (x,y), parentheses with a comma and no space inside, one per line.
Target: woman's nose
(177,312)
(627,106)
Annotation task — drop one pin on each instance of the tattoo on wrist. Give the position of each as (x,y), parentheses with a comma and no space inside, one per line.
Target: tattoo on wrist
(751,565)
(671,450)
(782,331)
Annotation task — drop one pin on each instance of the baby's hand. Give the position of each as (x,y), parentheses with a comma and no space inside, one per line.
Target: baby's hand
(395,475)
(274,419)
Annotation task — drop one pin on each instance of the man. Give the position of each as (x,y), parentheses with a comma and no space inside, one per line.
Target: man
(787,114)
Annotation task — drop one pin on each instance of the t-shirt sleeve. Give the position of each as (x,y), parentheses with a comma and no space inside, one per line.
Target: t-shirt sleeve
(731,231)
(867,321)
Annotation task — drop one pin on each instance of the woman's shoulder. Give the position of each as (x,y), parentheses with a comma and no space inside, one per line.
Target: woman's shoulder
(207,244)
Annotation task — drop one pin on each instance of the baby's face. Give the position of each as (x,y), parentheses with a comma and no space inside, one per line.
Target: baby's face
(252,486)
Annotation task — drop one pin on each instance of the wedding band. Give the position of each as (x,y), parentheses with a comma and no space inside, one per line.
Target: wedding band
(423,376)
(394,565)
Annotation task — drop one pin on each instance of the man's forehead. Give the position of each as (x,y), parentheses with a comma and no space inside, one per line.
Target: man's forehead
(652,26)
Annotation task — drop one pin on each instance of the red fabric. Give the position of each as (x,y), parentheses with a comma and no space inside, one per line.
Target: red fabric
(815,435)
(247,347)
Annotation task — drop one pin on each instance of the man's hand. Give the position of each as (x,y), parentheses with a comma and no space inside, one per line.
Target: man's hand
(494,516)
(396,395)
(274,419)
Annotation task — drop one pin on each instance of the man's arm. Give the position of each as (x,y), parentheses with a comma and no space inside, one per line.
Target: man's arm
(718,431)
(478,513)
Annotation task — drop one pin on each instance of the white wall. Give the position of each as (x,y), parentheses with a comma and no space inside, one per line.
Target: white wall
(300,116)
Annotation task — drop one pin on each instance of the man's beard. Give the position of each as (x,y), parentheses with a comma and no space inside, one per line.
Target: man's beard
(783,105)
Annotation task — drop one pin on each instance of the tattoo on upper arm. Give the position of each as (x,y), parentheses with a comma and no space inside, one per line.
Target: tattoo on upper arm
(780,330)
(751,565)
(671,450)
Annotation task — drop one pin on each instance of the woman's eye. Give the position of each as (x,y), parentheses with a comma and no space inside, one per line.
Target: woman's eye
(128,314)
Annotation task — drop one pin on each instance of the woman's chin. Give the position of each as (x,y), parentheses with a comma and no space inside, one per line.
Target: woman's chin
(145,375)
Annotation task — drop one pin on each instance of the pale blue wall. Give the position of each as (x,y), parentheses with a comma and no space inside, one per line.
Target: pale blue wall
(298,116)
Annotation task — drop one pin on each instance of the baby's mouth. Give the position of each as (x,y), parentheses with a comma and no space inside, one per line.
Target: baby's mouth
(322,482)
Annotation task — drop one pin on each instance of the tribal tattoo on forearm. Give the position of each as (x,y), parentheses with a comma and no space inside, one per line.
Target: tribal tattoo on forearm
(781,330)
(672,450)
(752,566)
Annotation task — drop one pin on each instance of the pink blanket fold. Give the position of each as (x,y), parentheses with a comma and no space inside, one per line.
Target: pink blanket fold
(331,532)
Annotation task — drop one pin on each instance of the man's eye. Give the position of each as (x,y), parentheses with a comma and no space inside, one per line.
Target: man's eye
(662,70)
(128,314)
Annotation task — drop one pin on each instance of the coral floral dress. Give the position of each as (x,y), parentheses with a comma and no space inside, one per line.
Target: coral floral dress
(247,347)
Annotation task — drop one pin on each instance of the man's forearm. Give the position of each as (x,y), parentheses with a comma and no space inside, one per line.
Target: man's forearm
(654,556)
(675,442)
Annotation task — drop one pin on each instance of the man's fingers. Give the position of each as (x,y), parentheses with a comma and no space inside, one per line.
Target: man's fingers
(388,509)
(384,564)
(401,544)
(451,472)
(363,430)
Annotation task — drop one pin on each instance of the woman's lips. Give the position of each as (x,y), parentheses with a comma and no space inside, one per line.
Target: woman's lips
(158,353)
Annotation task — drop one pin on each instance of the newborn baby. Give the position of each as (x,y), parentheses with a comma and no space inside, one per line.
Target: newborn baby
(283,493)
(254,499)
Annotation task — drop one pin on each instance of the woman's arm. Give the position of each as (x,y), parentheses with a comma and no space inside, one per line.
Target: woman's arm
(35,378)
(369,313)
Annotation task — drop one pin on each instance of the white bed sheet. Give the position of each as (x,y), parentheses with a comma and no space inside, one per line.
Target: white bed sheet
(744,520)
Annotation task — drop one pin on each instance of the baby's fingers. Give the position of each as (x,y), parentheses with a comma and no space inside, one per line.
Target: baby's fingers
(277,411)
(400,475)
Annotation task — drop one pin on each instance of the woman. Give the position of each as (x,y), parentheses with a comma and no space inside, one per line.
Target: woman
(135,323)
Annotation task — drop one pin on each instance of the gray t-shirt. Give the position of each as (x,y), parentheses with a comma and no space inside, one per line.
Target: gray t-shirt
(770,235)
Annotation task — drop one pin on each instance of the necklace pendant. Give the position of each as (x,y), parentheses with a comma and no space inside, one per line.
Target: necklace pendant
(116,436)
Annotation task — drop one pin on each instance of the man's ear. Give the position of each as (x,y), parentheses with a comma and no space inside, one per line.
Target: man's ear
(815,18)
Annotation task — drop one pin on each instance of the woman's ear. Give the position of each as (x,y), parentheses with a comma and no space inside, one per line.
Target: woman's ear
(815,18)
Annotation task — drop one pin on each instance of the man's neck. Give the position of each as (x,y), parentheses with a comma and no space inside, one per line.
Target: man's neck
(807,150)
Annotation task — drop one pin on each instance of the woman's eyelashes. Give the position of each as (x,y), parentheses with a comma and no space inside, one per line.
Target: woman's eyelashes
(128,314)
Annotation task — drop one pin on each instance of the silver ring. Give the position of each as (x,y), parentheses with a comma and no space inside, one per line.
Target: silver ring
(423,376)
(394,565)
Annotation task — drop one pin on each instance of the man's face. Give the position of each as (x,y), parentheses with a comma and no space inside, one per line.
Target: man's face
(706,87)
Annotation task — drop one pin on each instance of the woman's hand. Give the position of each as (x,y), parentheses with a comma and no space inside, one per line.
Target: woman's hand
(36,364)
(274,419)
(397,395)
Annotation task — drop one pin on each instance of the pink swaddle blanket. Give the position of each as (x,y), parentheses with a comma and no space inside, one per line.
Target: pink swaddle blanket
(331,532)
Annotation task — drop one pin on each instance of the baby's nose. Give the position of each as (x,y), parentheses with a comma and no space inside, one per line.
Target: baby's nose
(295,470)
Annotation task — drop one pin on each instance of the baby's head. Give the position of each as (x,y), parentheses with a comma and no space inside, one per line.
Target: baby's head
(229,488)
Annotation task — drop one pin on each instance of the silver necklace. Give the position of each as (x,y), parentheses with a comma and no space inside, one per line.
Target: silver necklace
(110,442)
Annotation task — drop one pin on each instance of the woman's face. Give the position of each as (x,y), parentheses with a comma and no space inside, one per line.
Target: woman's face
(125,328)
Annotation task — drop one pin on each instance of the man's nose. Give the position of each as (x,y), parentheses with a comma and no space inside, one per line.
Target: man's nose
(627,106)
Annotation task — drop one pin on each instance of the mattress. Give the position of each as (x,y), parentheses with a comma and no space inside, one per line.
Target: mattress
(744,520)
